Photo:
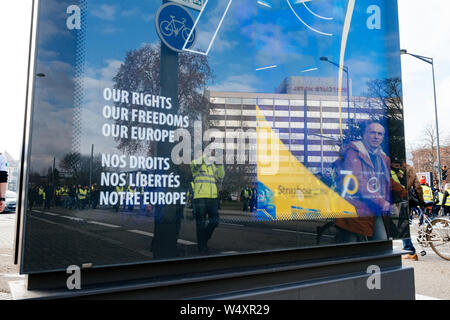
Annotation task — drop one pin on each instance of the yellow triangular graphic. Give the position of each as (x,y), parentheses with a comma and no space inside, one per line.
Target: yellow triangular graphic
(298,194)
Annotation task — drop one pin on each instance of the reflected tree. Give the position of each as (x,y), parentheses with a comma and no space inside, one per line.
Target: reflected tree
(383,102)
(140,72)
(77,169)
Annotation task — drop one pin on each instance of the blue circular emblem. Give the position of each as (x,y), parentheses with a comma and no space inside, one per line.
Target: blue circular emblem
(174,25)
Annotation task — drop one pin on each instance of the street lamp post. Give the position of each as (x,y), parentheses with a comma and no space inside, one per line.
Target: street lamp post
(431,61)
(345,69)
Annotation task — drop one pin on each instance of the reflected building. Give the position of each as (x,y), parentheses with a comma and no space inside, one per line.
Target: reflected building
(303,110)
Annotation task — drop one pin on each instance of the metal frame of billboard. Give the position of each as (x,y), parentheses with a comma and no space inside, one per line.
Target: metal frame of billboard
(20,223)
(27,129)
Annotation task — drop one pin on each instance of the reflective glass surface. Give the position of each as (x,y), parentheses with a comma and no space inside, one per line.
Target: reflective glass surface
(189,129)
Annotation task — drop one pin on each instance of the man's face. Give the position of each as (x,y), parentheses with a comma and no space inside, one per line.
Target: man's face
(373,136)
(396,165)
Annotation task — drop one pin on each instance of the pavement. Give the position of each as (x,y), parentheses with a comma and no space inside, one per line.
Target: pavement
(8,271)
(432,273)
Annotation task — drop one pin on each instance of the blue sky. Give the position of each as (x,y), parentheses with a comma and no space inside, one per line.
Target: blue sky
(252,36)
(423,30)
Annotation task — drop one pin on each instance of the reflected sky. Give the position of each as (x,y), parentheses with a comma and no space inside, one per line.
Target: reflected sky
(259,44)
(251,36)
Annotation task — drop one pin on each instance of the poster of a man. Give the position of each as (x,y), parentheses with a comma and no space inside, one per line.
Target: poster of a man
(366,161)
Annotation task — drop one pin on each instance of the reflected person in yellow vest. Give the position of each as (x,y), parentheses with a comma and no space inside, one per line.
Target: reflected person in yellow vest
(119,189)
(446,200)
(427,191)
(437,200)
(206,175)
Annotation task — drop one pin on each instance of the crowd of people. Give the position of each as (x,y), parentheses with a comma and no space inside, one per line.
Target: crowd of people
(379,186)
(70,197)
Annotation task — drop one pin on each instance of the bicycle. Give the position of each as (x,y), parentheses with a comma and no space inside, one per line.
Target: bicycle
(434,233)
(168,28)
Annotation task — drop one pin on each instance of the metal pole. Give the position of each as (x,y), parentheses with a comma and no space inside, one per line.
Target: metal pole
(437,127)
(53,189)
(348,94)
(53,177)
(305,130)
(321,139)
(164,242)
(431,61)
(90,166)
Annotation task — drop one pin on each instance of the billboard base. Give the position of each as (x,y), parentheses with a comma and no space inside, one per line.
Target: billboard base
(364,271)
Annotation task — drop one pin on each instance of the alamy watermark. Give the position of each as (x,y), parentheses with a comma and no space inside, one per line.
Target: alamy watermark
(374,280)
(74,280)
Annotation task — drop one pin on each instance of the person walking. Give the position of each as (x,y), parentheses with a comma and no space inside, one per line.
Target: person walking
(3,181)
(254,200)
(72,198)
(82,194)
(437,202)
(48,192)
(41,194)
(95,196)
(427,191)
(416,200)
(446,200)
(245,196)
(206,175)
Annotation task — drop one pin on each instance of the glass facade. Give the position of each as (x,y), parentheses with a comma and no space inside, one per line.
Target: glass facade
(165,132)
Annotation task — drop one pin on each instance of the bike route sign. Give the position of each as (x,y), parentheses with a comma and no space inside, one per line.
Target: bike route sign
(174,24)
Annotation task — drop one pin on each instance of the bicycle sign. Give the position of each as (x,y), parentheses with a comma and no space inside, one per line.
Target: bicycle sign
(174,24)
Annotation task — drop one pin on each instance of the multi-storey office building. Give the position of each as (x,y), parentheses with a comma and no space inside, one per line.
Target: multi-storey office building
(305,112)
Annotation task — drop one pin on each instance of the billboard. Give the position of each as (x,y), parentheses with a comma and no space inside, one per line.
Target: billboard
(160,132)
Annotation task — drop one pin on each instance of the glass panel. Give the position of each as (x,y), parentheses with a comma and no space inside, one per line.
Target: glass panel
(249,101)
(217,100)
(267,102)
(233,100)
(128,161)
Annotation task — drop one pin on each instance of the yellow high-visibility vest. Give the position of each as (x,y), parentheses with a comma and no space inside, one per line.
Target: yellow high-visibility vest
(395,177)
(82,194)
(447,202)
(441,197)
(427,193)
(205,178)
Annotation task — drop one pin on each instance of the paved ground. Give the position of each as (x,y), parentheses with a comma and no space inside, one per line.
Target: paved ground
(8,271)
(432,274)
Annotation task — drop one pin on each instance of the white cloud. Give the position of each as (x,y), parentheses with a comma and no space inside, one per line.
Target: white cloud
(15,30)
(105,12)
(208,25)
(242,83)
(95,81)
